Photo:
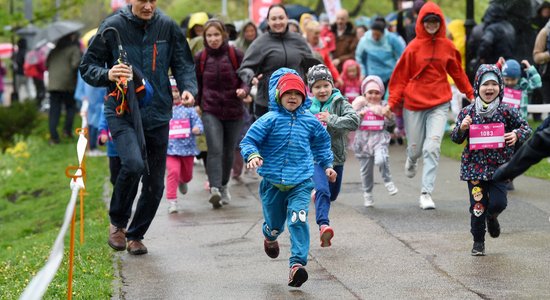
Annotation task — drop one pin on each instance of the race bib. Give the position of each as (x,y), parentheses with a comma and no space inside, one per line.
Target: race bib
(352,92)
(512,97)
(372,122)
(486,136)
(322,123)
(179,129)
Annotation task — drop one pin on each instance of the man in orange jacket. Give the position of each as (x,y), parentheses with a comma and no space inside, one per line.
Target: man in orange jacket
(419,87)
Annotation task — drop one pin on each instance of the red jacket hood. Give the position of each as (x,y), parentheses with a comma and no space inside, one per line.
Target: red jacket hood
(430,8)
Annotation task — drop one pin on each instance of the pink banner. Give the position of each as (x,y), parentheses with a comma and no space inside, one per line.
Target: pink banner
(486,136)
(257,9)
(179,129)
(512,97)
(372,122)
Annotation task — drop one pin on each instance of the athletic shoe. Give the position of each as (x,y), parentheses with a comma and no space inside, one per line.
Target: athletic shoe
(297,275)
(182,186)
(271,248)
(426,202)
(392,190)
(478,249)
(493,227)
(172,207)
(215,197)
(326,234)
(226,196)
(410,168)
(369,200)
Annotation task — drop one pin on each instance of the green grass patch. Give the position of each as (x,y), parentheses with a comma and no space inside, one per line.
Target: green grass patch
(34,193)
(454,151)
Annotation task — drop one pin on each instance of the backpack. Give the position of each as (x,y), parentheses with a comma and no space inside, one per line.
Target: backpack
(232,58)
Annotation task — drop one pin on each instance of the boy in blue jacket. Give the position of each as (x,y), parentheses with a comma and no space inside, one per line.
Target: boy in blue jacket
(283,144)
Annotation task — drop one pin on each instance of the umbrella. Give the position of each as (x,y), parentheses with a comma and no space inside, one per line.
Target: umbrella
(295,11)
(128,98)
(6,50)
(29,30)
(53,32)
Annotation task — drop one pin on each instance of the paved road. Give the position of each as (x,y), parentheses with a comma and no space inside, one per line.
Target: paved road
(393,250)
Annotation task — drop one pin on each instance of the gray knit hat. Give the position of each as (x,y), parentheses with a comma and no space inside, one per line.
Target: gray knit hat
(318,72)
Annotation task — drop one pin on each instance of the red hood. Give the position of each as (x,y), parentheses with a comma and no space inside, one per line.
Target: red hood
(430,8)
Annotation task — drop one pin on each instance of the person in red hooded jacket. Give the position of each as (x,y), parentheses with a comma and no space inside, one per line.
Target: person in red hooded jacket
(420,88)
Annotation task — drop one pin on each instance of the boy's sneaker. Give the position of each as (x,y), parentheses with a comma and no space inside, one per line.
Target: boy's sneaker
(215,197)
(226,196)
(392,190)
(271,248)
(172,207)
(493,227)
(297,275)
(182,186)
(369,200)
(326,234)
(410,168)
(426,202)
(478,249)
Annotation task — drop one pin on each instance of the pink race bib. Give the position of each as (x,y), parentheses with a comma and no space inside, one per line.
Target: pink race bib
(372,122)
(512,97)
(179,129)
(486,136)
(352,92)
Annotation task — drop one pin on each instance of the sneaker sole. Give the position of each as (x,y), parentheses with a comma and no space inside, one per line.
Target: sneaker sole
(326,237)
(393,193)
(300,276)
(216,201)
(429,207)
(478,253)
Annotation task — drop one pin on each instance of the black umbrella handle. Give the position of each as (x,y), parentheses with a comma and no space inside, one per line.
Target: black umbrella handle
(122,55)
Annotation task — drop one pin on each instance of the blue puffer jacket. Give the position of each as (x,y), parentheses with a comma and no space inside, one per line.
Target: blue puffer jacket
(288,142)
(154,47)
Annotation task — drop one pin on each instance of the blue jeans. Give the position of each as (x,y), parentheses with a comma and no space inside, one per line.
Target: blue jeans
(325,192)
(291,206)
(425,129)
(132,169)
(492,195)
(222,136)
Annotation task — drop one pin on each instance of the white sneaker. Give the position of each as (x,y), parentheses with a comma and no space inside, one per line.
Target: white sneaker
(392,190)
(426,202)
(410,168)
(369,200)
(215,197)
(172,207)
(226,196)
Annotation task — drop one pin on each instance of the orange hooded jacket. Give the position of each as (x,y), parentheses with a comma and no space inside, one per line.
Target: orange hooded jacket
(419,81)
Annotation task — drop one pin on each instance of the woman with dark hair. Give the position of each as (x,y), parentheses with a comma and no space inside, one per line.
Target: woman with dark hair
(220,99)
(277,48)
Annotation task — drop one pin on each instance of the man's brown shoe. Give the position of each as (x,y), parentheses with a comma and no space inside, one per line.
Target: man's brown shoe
(117,238)
(136,247)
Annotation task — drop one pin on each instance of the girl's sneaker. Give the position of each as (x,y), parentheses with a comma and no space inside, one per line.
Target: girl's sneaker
(478,249)
(392,190)
(326,235)
(172,207)
(369,200)
(215,197)
(226,196)
(297,275)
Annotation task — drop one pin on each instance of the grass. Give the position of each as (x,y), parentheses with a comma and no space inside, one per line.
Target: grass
(34,193)
(540,170)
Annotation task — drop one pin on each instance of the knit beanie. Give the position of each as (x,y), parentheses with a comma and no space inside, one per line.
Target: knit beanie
(368,82)
(511,69)
(318,72)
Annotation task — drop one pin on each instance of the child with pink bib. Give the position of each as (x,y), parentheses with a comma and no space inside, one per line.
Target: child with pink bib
(491,129)
(372,139)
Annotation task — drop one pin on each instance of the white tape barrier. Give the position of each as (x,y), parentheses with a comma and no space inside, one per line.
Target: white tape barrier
(39,284)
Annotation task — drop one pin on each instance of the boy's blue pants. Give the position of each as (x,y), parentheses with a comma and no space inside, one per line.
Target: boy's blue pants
(325,192)
(291,206)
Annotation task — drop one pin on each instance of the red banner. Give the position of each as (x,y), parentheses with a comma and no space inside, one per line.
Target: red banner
(257,9)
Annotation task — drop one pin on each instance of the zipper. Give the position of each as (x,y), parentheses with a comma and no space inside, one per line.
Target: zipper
(154,56)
